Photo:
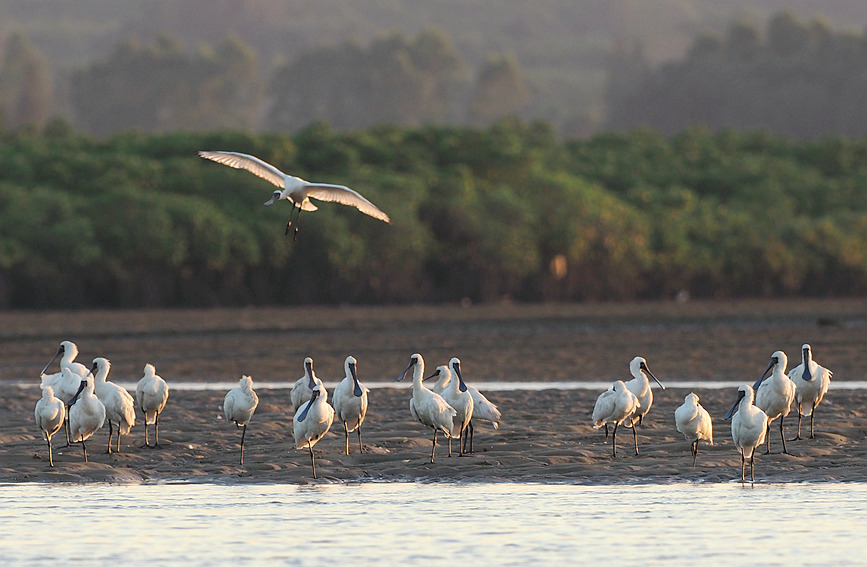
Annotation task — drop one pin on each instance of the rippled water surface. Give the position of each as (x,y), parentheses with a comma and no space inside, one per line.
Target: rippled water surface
(372,523)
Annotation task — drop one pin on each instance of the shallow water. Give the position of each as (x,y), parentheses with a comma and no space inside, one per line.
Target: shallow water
(392,523)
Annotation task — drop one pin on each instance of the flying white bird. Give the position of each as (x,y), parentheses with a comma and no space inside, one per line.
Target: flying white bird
(616,406)
(775,395)
(312,421)
(86,413)
(811,385)
(303,387)
(294,189)
(151,394)
(350,402)
(694,422)
(50,414)
(239,405)
(749,427)
(427,407)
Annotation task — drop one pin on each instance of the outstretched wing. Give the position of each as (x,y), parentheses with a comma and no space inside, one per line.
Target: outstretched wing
(252,164)
(344,196)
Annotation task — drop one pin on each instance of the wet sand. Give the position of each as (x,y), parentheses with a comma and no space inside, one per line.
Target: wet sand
(546,435)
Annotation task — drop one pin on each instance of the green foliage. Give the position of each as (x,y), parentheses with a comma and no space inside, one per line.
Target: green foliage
(505,212)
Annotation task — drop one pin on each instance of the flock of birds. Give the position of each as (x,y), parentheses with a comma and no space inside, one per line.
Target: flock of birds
(83,399)
(756,406)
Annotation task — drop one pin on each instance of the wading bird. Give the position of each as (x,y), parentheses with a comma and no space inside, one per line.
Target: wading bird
(303,387)
(616,406)
(350,402)
(151,394)
(811,384)
(86,414)
(239,405)
(694,422)
(50,414)
(312,421)
(294,189)
(119,404)
(427,407)
(457,395)
(749,426)
(640,386)
(775,395)
(483,408)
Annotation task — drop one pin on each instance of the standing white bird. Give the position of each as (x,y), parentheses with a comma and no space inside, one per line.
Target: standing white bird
(350,402)
(119,404)
(312,421)
(50,414)
(457,395)
(303,387)
(775,395)
(616,406)
(749,426)
(66,382)
(811,384)
(694,422)
(483,408)
(86,413)
(427,407)
(640,386)
(239,405)
(296,190)
(151,394)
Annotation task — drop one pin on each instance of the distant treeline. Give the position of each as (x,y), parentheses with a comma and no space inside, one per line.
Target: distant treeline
(799,79)
(505,212)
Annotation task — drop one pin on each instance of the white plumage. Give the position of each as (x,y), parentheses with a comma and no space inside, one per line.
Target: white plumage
(616,406)
(483,408)
(67,352)
(239,405)
(694,422)
(151,395)
(427,407)
(640,386)
(749,426)
(50,413)
(350,402)
(811,384)
(312,421)
(458,396)
(294,189)
(775,395)
(303,387)
(119,404)
(86,414)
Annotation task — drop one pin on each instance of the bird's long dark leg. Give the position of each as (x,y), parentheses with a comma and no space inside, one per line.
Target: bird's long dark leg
(312,458)
(118,439)
(346,436)
(360,446)
(434,449)
(472,437)
(635,437)
(614,440)
(812,435)
(606,432)
(461,441)
(85,450)
(768,437)
(450,445)
(147,441)
(694,452)
(66,424)
(753,467)
(783,437)
(799,425)
(108,450)
(157,432)
(744,465)
(297,223)
(50,453)
(289,222)
(243,433)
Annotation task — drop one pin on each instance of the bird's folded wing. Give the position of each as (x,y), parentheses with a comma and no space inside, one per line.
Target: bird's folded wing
(252,164)
(345,196)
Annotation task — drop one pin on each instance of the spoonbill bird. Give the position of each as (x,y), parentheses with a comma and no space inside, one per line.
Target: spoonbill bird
(811,384)
(427,407)
(151,394)
(303,387)
(350,402)
(458,396)
(65,383)
(294,189)
(119,404)
(312,421)
(694,422)
(50,414)
(775,395)
(749,426)
(86,413)
(640,386)
(483,408)
(239,405)
(616,406)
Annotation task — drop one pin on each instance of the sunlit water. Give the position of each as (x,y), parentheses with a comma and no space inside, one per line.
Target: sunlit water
(419,524)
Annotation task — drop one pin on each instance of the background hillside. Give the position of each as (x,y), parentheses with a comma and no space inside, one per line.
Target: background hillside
(549,60)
